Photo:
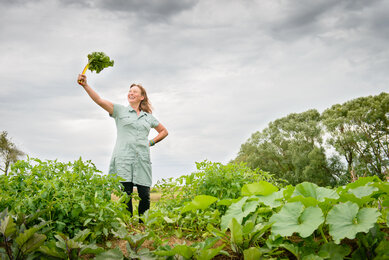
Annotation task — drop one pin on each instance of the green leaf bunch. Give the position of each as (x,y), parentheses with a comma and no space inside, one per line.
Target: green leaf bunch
(17,241)
(66,248)
(204,250)
(71,196)
(99,61)
(315,215)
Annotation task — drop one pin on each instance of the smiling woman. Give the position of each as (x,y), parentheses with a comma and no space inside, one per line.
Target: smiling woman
(131,155)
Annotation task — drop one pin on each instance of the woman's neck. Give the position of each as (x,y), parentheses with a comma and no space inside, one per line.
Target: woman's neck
(136,107)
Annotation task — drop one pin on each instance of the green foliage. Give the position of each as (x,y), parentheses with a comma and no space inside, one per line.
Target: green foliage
(303,213)
(71,196)
(334,251)
(188,203)
(294,217)
(292,148)
(246,236)
(346,220)
(226,181)
(9,153)
(204,250)
(99,61)
(199,202)
(17,241)
(359,131)
(263,221)
(258,188)
(212,179)
(112,254)
(65,248)
(134,243)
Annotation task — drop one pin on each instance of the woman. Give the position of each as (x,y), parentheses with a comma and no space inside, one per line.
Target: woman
(131,155)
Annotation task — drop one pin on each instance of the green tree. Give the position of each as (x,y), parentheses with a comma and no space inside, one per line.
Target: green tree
(359,132)
(8,152)
(292,148)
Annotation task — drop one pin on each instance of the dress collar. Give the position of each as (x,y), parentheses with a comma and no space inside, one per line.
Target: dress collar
(131,109)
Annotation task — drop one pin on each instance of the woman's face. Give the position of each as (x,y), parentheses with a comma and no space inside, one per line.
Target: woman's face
(135,95)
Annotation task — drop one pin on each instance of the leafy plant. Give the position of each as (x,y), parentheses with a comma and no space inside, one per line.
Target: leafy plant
(372,245)
(347,220)
(71,196)
(202,250)
(134,243)
(199,202)
(18,241)
(66,248)
(294,217)
(97,61)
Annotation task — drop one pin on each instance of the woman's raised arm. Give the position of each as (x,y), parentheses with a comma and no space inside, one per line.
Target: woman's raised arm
(105,104)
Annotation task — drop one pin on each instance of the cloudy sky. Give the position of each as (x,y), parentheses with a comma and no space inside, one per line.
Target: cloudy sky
(215,71)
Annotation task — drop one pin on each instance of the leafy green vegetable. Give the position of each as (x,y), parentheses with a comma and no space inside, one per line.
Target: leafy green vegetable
(346,220)
(307,189)
(334,251)
(259,188)
(97,61)
(199,202)
(294,217)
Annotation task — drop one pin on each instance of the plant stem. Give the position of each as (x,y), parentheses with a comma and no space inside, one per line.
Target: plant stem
(322,233)
(86,67)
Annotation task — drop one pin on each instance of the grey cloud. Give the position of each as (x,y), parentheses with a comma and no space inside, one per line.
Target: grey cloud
(311,18)
(151,10)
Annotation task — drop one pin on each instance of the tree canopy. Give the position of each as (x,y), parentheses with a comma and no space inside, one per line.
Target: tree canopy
(9,153)
(324,148)
(359,132)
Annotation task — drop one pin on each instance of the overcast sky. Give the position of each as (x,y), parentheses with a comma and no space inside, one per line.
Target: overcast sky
(215,71)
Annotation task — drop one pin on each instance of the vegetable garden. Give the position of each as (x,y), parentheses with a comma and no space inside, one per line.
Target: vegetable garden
(54,210)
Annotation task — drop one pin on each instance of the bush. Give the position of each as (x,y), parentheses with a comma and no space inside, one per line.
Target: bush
(72,196)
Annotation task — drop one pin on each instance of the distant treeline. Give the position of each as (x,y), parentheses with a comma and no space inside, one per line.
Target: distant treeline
(344,142)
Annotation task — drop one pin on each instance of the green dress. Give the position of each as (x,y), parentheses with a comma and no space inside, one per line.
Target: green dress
(131,155)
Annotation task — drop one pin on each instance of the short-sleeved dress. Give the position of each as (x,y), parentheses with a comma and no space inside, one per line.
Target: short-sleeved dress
(131,155)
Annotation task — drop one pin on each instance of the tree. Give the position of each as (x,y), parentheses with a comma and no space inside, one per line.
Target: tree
(360,133)
(292,149)
(8,152)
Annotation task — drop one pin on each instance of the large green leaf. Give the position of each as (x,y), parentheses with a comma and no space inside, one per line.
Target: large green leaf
(50,249)
(207,254)
(91,249)
(294,217)
(272,200)
(307,189)
(236,232)
(362,181)
(346,220)
(112,254)
(252,253)
(259,188)
(233,211)
(184,250)
(362,191)
(349,197)
(33,243)
(29,240)
(199,202)
(7,226)
(334,251)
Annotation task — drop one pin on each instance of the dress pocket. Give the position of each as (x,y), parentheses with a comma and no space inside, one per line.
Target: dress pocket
(126,121)
(144,156)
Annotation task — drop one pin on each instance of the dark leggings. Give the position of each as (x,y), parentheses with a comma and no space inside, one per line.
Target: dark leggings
(144,194)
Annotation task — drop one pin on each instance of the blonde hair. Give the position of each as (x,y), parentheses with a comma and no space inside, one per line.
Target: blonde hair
(145,104)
